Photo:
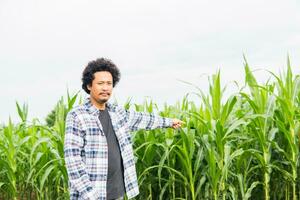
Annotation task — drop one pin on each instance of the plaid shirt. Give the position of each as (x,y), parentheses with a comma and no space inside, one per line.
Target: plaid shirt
(86,151)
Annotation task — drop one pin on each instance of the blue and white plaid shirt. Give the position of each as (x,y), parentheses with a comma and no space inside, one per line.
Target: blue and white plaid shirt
(86,151)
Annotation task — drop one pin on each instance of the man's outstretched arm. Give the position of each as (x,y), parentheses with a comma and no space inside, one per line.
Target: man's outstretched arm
(150,121)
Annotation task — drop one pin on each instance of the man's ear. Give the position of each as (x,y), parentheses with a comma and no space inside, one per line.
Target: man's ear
(89,87)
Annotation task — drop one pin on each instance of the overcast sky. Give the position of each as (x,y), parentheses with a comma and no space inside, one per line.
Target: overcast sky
(45,45)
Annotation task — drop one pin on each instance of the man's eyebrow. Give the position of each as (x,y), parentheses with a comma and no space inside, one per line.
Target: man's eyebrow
(104,81)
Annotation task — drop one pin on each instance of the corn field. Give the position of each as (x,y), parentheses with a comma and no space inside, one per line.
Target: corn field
(243,147)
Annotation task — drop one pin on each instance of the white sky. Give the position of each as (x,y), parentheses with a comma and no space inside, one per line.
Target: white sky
(45,45)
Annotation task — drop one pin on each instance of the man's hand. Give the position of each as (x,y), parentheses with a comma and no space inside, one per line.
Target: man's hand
(177,123)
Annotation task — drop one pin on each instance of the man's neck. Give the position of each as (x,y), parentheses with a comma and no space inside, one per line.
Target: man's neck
(99,106)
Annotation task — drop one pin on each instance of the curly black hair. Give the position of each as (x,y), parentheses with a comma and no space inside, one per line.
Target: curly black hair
(98,65)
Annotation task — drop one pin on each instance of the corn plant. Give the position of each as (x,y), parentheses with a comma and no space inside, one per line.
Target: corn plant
(287,120)
(13,155)
(47,167)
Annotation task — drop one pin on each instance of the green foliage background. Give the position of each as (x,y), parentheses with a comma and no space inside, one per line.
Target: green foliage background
(243,147)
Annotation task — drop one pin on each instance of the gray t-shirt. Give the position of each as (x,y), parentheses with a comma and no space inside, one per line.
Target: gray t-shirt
(115,180)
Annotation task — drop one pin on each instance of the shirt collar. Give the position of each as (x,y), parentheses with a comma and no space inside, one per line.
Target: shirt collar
(93,109)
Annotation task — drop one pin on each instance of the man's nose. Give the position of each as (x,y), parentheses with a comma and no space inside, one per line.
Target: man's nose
(105,87)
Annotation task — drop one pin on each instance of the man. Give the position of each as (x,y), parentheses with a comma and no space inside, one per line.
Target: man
(98,147)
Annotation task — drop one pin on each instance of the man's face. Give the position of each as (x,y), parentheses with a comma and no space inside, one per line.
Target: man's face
(101,87)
